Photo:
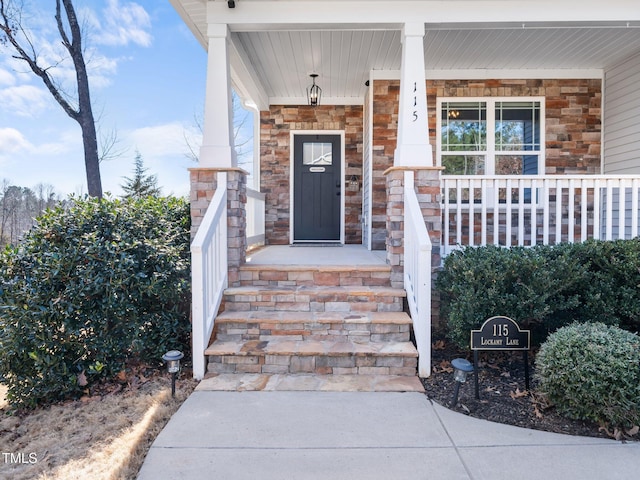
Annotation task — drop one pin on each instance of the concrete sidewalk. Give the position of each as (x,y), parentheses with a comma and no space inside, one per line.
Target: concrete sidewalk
(358,435)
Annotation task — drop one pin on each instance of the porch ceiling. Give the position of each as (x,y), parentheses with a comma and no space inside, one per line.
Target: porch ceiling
(343,59)
(271,62)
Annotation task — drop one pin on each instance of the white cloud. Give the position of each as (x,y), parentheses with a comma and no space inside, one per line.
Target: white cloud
(120,23)
(101,68)
(66,141)
(12,142)
(7,78)
(163,140)
(24,100)
(164,150)
(124,23)
(50,55)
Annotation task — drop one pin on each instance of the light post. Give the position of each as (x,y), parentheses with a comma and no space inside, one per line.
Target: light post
(461,368)
(172,359)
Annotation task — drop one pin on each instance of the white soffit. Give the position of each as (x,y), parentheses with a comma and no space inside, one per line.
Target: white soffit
(276,57)
(343,60)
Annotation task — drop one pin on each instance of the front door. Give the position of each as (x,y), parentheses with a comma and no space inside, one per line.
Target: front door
(317,182)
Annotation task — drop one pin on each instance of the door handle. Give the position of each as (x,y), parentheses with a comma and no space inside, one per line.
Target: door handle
(337,194)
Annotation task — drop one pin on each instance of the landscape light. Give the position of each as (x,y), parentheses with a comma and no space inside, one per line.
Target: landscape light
(461,368)
(172,359)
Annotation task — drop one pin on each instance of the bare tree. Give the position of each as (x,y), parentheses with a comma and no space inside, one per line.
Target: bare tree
(46,197)
(241,143)
(20,206)
(4,211)
(78,108)
(110,146)
(17,203)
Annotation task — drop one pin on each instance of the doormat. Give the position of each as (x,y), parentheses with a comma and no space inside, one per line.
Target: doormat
(313,244)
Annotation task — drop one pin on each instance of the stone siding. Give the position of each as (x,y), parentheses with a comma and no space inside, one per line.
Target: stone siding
(275,128)
(204,183)
(426,185)
(572,116)
(386,96)
(572,121)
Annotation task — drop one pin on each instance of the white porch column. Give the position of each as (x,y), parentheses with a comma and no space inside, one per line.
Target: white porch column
(217,150)
(413,148)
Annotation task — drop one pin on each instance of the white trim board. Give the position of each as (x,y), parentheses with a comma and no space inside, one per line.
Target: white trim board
(483,74)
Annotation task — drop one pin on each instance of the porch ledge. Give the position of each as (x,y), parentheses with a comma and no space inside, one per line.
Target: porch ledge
(314,267)
(218,169)
(410,169)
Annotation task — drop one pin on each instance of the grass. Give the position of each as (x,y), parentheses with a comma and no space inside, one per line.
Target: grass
(99,437)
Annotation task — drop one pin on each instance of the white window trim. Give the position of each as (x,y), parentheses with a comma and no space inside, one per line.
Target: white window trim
(490,152)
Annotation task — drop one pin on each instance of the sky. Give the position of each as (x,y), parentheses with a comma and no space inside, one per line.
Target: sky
(147,81)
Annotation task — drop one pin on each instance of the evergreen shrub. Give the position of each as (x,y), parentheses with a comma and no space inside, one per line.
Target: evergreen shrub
(93,285)
(590,371)
(542,288)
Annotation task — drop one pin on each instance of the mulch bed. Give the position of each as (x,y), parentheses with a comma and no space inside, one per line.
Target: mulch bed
(503,396)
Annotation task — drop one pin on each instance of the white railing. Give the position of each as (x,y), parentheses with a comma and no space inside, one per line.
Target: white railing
(209,273)
(531,210)
(417,273)
(255,217)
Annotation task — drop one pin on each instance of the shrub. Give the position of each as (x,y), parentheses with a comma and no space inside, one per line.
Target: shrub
(90,287)
(613,287)
(591,372)
(542,288)
(535,288)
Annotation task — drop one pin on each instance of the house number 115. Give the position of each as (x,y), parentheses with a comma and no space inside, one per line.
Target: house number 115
(501,330)
(415,101)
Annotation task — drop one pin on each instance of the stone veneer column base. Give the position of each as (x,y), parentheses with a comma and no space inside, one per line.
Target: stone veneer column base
(204,182)
(428,191)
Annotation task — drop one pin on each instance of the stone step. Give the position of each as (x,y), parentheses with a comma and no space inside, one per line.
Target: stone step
(235,382)
(315,275)
(284,355)
(315,298)
(234,326)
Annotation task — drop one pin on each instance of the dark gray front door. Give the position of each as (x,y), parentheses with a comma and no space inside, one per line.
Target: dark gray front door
(317,181)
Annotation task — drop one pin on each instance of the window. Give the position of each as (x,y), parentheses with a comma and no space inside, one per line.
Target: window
(490,136)
(317,153)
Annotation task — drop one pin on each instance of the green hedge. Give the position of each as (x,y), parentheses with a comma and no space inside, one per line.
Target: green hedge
(92,286)
(542,288)
(590,372)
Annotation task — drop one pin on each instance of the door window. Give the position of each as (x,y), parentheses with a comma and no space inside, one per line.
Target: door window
(314,153)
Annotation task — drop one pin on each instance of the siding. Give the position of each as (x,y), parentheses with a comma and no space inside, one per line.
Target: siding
(366,172)
(615,214)
(622,118)
(275,127)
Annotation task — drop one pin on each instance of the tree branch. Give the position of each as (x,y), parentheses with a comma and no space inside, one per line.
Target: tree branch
(7,26)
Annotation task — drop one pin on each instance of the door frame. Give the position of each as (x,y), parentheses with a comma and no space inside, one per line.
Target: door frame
(292,135)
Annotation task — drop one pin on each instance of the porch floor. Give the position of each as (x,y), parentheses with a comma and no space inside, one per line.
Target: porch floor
(316,255)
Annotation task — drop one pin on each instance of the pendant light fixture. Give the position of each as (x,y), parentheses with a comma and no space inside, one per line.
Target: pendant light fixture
(314,92)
